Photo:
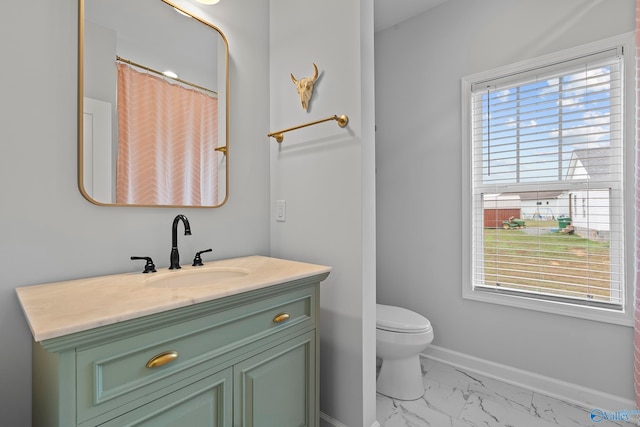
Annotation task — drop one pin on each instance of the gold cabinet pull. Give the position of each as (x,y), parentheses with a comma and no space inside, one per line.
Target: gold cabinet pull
(282,317)
(162,359)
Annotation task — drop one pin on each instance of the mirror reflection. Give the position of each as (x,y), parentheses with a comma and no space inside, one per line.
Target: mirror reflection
(153,113)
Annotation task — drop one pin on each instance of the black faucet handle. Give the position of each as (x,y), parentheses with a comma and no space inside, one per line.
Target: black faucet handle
(149,267)
(197,260)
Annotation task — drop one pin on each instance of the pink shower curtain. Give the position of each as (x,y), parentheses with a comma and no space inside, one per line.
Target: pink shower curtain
(636,374)
(167,139)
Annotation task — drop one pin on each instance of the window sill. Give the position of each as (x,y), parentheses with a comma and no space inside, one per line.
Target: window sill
(623,318)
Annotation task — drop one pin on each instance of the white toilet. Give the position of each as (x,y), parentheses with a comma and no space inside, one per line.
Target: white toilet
(401,335)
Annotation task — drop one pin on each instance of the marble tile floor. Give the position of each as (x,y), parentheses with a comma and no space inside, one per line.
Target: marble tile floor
(453,398)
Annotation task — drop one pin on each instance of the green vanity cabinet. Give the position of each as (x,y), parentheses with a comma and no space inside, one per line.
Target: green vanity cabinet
(249,359)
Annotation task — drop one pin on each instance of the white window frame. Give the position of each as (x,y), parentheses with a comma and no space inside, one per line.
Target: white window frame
(623,316)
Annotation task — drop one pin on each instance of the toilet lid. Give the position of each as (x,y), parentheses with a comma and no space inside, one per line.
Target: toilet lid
(398,319)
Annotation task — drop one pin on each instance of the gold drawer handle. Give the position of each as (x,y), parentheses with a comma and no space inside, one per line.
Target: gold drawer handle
(162,359)
(282,317)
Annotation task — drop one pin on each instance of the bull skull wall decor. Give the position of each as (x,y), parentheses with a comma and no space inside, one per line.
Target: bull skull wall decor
(305,87)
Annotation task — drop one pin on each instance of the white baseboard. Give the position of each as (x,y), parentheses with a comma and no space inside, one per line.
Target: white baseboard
(569,392)
(326,419)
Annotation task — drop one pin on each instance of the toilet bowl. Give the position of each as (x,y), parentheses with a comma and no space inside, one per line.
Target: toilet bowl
(401,335)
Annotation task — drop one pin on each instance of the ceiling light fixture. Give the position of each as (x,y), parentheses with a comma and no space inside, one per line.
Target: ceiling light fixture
(170,73)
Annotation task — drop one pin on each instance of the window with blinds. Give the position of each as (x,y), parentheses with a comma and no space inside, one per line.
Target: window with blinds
(547,182)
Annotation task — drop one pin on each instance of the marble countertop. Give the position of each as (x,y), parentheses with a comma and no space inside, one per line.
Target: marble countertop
(56,309)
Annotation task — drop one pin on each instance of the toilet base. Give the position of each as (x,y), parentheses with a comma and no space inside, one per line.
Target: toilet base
(401,378)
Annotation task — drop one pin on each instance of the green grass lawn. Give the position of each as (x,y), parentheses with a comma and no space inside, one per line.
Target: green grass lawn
(555,263)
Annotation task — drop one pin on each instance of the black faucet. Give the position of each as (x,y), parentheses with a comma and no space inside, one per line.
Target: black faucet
(175,256)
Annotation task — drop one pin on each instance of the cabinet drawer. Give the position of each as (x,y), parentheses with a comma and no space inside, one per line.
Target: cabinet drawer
(121,374)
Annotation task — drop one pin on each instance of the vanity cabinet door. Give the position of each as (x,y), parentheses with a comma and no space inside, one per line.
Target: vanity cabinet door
(277,387)
(205,403)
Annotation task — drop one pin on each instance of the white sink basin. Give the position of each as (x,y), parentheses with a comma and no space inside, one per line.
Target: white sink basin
(193,278)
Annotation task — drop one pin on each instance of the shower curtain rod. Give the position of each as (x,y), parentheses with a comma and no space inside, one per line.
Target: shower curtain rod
(127,61)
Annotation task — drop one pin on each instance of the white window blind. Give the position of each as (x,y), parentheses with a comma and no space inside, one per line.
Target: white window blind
(547,196)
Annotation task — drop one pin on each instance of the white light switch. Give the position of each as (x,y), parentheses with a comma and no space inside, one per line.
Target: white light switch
(281,210)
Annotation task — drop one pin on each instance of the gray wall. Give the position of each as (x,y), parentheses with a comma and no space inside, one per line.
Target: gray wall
(419,65)
(326,176)
(50,232)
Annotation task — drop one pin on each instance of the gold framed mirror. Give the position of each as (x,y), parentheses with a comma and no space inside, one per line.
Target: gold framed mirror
(147,137)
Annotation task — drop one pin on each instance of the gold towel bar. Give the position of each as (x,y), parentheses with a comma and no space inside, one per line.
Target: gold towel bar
(342,122)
